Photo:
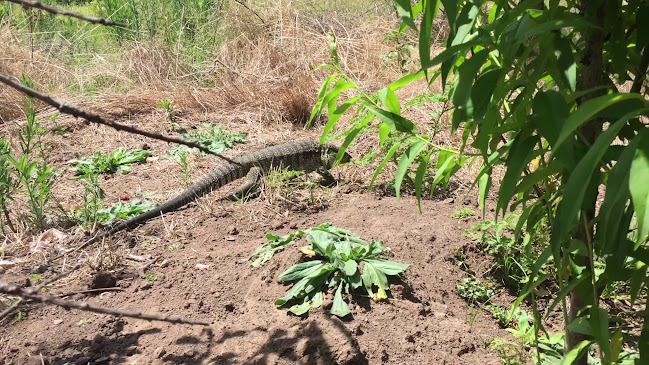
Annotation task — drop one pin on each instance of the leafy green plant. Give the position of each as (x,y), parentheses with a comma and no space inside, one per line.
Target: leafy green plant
(30,171)
(474,291)
(168,106)
(341,262)
(275,244)
(215,138)
(100,163)
(154,276)
(513,261)
(536,89)
(92,199)
(510,352)
(7,186)
(123,210)
(465,212)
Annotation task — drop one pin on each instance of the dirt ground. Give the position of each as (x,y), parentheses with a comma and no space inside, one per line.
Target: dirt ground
(199,272)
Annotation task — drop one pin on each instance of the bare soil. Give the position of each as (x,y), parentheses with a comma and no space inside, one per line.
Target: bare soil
(198,270)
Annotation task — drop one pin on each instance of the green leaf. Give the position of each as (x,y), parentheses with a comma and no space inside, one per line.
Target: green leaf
(317,300)
(373,276)
(575,353)
(638,185)
(569,207)
(333,48)
(462,94)
(404,11)
(301,270)
(387,157)
(484,185)
(591,108)
(384,132)
(395,121)
(406,160)
(565,291)
(350,267)
(387,267)
(300,309)
(351,137)
(520,155)
(390,100)
(339,307)
(430,13)
(566,62)
(335,116)
(405,80)
(615,200)
(637,280)
(419,177)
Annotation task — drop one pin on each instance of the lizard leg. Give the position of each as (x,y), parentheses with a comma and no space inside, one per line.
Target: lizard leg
(327,178)
(249,188)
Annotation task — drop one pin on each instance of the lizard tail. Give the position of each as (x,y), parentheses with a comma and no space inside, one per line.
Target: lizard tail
(219,177)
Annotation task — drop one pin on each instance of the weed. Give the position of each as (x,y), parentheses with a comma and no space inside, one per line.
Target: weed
(344,263)
(20,315)
(214,138)
(83,322)
(154,276)
(473,291)
(511,353)
(513,259)
(93,200)
(168,106)
(183,162)
(275,244)
(36,278)
(122,211)
(465,212)
(173,246)
(30,171)
(108,163)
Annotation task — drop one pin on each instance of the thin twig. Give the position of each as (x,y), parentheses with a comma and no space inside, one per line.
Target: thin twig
(251,10)
(88,291)
(38,288)
(96,118)
(51,9)
(9,310)
(11,289)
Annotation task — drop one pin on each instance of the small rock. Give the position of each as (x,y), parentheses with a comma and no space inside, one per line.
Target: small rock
(277,224)
(146,286)
(103,279)
(103,360)
(124,196)
(39,269)
(202,266)
(233,231)
(159,352)
(230,238)
(293,225)
(164,263)
(57,321)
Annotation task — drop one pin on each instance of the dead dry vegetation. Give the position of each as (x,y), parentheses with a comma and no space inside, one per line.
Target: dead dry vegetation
(262,79)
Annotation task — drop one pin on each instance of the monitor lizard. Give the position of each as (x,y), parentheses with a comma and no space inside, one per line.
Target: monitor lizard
(308,156)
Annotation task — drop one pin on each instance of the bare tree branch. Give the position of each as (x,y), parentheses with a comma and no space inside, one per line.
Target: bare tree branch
(40,287)
(96,118)
(251,10)
(11,289)
(51,9)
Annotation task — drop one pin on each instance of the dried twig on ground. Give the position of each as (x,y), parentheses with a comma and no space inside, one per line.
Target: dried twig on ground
(40,287)
(11,289)
(96,118)
(51,9)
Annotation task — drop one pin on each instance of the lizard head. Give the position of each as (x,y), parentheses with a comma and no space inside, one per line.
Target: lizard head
(329,153)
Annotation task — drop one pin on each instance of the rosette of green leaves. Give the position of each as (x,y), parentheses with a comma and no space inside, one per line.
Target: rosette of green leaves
(342,263)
